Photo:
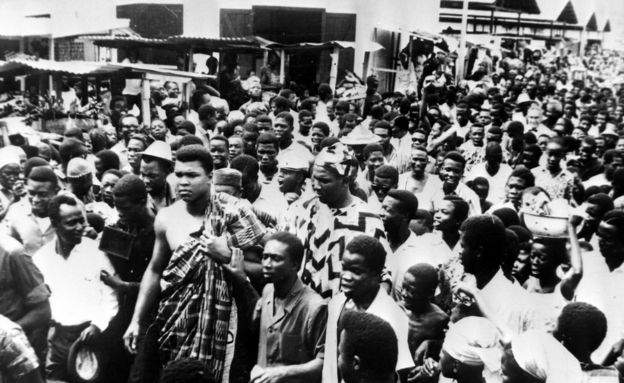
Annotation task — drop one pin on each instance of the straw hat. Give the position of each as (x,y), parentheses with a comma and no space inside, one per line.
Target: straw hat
(360,136)
(160,150)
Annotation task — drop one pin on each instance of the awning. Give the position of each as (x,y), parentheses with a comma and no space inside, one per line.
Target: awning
(305,45)
(181,43)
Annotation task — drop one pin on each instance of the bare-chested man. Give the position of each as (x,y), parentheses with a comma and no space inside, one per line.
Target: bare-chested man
(186,269)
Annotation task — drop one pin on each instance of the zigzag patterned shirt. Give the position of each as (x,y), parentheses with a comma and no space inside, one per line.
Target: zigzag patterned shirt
(325,233)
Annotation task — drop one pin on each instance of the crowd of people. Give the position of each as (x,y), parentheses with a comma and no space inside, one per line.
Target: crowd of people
(308,238)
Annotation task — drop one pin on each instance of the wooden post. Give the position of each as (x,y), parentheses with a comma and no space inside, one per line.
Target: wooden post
(367,56)
(282,77)
(51,79)
(265,58)
(461,56)
(333,72)
(145,100)
(191,53)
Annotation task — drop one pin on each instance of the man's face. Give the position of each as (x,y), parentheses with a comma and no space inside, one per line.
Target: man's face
(375,160)
(288,180)
(109,181)
(384,135)
(219,153)
(451,172)
(601,119)
(610,244)
(484,118)
(264,127)
(39,195)
(71,224)
(111,134)
(419,162)
(159,130)
(193,182)
(521,269)
(267,156)
(153,176)
(390,214)
(9,174)
(415,292)
(542,142)
(119,106)
(249,143)
(129,210)
(129,126)
(514,188)
(277,265)
(476,135)
(554,155)
(542,262)
(381,186)
(356,277)
(173,90)
(305,123)
(235,146)
(462,115)
(328,185)
(444,216)
(282,129)
(317,135)
(588,151)
(534,118)
(419,138)
(134,148)
(255,90)
(468,256)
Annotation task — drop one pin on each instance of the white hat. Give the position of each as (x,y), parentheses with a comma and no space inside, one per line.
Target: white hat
(360,135)
(294,161)
(9,156)
(160,150)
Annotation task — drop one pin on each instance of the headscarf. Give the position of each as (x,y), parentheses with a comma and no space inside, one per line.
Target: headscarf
(542,356)
(336,156)
(473,341)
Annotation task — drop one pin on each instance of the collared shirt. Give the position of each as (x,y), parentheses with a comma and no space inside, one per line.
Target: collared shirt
(557,186)
(21,224)
(292,331)
(325,232)
(541,130)
(271,202)
(403,148)
(426,193)
(21,282)
(168,200)
(17,357)
(122,152)
(383,307)
(423,249)
(463,192)
(78,294)
(497,181)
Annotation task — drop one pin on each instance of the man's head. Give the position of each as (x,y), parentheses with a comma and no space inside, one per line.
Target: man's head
(386,178)
(219,151)
(383,130)
(477,133)
(283,127)
(130,196)
(330,174)
(236,146)
(267,148)
(493,156)
(193,168)
(520,179)
(420,159)
(367,349)
(67,217)
(42,185)
(546,255)
(305,121)
(362,264)
(554,154)
(482,240)
(373,156)
(449,214)
(136,145)
(264,123)
(248,167)
(282,257)
(611,238)
(154,172)
(588,149)
(292,174)
(452,169)
(581,328)
(79,176)
(419,285)
(129,125)
(398,209)
(531,156)
(534,117)
(228,181)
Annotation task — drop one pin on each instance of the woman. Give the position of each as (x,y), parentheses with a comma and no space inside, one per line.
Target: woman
(537,357)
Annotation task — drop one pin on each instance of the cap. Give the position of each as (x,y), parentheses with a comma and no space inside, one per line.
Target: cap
(227,177)
(159,149)
(78,167)
(292,161)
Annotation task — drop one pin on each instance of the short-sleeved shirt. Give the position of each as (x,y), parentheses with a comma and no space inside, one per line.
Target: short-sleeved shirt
(292,331)
(21,224)
(558,186)
(325,232)
(17,357)
(21,282)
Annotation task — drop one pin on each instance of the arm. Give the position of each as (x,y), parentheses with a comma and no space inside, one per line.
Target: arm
(150,284)
(38,315)
(574,275)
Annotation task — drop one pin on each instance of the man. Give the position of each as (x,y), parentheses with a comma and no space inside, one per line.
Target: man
(265,124)
(292,177)
(29,223)
(198,327)
(236,146)
(402,141)
(128,125)
(591,165)
(290,316)
(80,180)
(534,123)
(474,150)
(283,128)
(328,222)
(383,130)
(267,148)
(531,156)
(386,178)
(398,209)
(373,158)
(367,351)
(519,179)
(136,220)
(451,173)
(462,121)
(372,96)
(82,305)
(362,265)
(494,171)
(558,182)
(24,296)
(18,362)
(418,179)
(219,151)
(156,166)
(306,118)
(10,186)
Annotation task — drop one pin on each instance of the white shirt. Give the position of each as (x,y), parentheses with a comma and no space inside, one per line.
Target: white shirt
(382,306)
(463,192)
(77,293)
(422,249)
(497,181)
(403,147)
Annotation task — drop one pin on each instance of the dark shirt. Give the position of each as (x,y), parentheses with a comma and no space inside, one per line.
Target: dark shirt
(593,168)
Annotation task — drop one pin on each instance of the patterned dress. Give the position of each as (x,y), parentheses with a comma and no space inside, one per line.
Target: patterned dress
(325,233)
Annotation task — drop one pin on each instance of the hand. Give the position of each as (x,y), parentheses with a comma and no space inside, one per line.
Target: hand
(237,266)
(89,333)
(430,367)
(271,375)
(217,248)
(112,281)
(130,337)
(90,232)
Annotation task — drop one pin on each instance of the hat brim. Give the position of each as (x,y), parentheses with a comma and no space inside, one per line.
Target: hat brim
(85,363)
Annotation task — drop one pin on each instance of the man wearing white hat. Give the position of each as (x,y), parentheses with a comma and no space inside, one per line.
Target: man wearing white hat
(80,180)
(156,165)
